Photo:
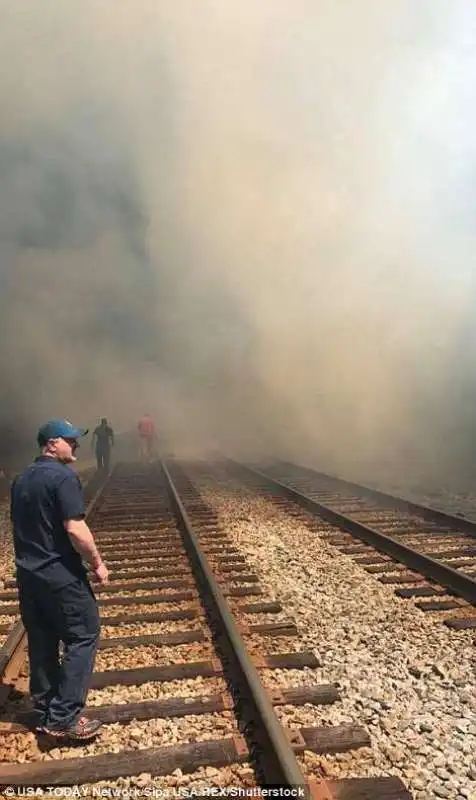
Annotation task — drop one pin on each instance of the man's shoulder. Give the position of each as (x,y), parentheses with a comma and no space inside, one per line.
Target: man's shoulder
(48,472)
(70,474)
(58,471)
(43,464)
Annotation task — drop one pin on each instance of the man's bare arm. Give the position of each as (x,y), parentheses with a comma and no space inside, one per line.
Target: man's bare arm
(83,541)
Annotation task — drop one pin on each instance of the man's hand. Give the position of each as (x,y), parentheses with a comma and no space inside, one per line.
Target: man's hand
(101,574)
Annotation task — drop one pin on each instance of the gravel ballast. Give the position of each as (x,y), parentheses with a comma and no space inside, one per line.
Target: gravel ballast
(403,675)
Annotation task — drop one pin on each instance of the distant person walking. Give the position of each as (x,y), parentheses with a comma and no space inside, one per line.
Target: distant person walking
(147,437)
(103,435)
(57,603)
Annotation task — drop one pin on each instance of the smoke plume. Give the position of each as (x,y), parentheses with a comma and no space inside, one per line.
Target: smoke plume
(253,220)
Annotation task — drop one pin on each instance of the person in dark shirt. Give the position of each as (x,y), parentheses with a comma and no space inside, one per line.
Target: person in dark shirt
(104,436)
(57,603)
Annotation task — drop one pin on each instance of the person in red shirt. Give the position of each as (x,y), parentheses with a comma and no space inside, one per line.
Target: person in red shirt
(147,437)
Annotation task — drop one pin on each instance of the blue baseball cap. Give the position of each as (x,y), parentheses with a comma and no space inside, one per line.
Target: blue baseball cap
(59,428)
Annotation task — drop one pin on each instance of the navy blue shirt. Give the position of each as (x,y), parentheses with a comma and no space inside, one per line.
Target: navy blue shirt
(42,498)
(105,437)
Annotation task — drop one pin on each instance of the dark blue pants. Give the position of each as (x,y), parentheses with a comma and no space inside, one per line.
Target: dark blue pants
(103,457)
(58,687)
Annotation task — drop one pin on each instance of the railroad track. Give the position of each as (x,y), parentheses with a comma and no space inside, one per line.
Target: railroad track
(180,608)
(426,554)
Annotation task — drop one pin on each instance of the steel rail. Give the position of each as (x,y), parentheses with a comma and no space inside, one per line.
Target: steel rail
(456,582)
(273,753)
(460,524)
(9,647)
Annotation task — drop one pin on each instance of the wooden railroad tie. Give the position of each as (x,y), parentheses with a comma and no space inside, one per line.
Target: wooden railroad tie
(196,669)
(124,713)
(164,760)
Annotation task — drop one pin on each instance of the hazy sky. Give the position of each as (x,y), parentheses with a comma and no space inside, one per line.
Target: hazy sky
(255,220)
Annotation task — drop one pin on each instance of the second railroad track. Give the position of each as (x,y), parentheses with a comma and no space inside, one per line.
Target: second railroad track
(424,553)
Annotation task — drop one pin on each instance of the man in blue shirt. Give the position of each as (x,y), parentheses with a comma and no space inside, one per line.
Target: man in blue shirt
(57,603)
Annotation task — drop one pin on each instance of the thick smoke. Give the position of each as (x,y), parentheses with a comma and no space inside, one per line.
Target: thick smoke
(253,220)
